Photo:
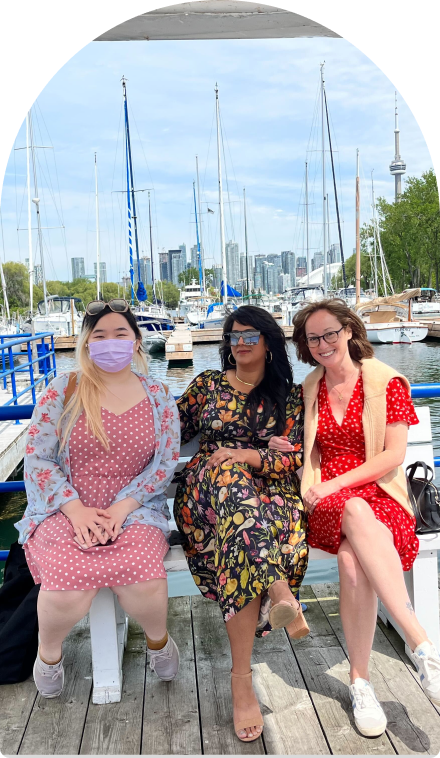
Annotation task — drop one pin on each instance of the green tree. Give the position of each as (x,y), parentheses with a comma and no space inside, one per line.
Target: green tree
(17,284)
(186,276)
(169,293)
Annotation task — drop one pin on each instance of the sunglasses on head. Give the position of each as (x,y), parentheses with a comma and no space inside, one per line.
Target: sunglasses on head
(117,305)
(248,336)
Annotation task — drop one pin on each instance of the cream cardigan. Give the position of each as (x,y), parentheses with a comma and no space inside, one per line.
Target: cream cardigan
(375,378)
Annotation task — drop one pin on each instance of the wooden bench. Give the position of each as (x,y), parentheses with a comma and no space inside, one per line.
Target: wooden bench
(108,623)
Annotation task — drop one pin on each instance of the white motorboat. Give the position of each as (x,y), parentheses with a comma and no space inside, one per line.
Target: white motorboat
(154,339)
(389,320)
(63,317)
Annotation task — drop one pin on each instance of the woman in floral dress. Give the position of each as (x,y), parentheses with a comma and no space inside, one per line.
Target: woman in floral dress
(237,503)
(101,450)
(357,414)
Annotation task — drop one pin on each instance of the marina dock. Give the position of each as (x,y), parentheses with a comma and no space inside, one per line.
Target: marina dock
(179,344)
(215,335)
(302,688)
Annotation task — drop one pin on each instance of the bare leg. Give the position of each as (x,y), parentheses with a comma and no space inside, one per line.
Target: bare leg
(358,607)
(147,603)
(58,612)
(373,546)
(241,632)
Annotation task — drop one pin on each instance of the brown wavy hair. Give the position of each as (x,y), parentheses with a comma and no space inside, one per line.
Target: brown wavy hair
(358,345)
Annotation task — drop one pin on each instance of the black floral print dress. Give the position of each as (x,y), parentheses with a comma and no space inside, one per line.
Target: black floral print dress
(243,529)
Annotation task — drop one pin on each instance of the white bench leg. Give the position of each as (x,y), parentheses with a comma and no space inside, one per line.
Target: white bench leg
(422,586)
(108,632)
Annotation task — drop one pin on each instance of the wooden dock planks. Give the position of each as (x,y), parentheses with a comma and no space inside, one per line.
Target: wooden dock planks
(301,686)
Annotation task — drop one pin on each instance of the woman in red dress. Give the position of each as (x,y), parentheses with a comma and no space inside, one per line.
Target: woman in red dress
(357,414)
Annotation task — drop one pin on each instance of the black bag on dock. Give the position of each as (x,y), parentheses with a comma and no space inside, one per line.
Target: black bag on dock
(424,497)
(18,619)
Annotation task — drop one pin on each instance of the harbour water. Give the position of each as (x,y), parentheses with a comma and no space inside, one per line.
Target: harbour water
(420,362)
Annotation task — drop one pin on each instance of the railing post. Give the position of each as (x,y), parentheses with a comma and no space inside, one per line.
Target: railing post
(13,384)
(52,348)
(31,371)
(5,381)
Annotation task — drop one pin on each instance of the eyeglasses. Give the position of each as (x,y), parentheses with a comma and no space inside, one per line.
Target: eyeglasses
(117,305)
(329,337)
(249,337)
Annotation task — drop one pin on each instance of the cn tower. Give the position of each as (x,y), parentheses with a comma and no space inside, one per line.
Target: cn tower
(397,166)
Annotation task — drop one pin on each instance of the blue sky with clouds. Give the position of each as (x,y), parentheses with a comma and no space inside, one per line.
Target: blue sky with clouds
(268,96)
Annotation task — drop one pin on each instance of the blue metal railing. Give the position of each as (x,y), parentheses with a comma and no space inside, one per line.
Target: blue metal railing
(25,412)
(9,370)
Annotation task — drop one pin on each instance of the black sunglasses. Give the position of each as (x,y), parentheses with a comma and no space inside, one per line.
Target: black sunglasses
(249,337)
(117,305)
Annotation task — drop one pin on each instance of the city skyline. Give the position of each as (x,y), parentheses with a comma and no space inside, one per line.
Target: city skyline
(267,94)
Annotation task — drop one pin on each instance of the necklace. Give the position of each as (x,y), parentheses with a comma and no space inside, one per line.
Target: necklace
(340,397)
(241,380)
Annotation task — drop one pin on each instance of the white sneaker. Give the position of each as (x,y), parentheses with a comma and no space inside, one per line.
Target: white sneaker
(368,714)
(48,678)
(427,662)
(165,662)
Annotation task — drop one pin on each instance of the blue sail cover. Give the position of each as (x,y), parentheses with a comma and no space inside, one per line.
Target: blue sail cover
(141,293)
(231,291)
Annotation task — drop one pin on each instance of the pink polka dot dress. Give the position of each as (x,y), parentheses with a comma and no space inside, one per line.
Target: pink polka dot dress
(54,559)
(342,449)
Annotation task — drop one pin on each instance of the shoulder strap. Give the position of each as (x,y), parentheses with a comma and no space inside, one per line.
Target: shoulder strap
(71,387)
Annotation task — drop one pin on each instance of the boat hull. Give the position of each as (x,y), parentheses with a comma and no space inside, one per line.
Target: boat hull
(396,334)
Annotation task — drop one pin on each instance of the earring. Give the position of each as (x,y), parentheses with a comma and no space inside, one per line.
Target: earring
(267,353)
(229,359)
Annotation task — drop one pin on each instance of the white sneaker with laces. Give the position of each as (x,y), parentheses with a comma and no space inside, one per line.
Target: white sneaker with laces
(48,678)
(427,662)
(368,714)
(165,662)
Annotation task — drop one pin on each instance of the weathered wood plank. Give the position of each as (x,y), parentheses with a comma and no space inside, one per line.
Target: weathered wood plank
(55,726)
(213,666)
(413,723)
(16,704)
(116,728)
(291,726)
(321,634)
(171,717)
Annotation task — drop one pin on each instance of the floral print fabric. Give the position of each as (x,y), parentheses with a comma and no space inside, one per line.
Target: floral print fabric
(342,449)
(47,471)
(243,529)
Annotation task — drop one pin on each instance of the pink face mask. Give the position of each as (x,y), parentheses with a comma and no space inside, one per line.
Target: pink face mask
(111,355)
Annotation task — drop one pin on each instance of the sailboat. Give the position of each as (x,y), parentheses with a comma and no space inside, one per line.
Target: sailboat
(153,319)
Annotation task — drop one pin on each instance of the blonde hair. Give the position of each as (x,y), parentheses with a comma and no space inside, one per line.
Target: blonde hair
(89,388)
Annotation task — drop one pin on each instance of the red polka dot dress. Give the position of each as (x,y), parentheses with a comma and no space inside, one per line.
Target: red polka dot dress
(342,449)
(54,559)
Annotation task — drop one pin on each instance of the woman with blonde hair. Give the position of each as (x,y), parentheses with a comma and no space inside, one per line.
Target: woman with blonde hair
(357,414)
(101,450)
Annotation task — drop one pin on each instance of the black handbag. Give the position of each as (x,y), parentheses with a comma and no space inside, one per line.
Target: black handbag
(18,619)
(424,497)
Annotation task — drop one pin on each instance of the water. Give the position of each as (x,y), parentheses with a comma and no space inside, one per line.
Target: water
(420,362)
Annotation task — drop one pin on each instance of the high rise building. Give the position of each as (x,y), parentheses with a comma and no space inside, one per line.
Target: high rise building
(194,257)
(258,272)
(288,266)
(182,247)
(283,282)
(334,254)
(176,265)
(102,271)
(397,166)
(217,278)
(232,262)
(317,261)
(301,266)
(145,266)
(78,269)
(163,267)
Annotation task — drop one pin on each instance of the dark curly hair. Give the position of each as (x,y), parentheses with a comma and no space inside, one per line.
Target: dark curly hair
(273,390)
(358,345)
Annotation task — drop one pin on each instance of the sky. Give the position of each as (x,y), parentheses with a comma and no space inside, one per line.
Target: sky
(269,105)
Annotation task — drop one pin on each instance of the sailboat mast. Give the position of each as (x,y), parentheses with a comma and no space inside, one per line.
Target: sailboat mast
(358,236)
(199,255)
(220,199)
(31,252)
(307,224)
(98,253)
(202,251)
(246,245)
(151,251)
(324,193)
(336,197)
(374,236)
(36,200)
